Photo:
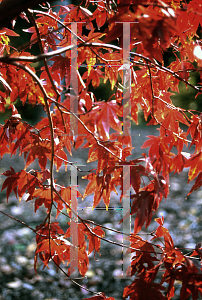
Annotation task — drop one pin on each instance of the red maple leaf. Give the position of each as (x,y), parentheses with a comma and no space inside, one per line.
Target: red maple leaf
(94,241)
(61,65)
(11,183)
(142,290)
(195,166)
(105,116)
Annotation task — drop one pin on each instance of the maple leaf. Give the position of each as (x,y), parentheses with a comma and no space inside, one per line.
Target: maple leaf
(61,65)
(27,181)
(44,230)
(11,183)
(8,32)
(43,196)
(141,290)
(195,131)
(94,186)
(145,202)
(195,166)
(144,254)
(101,186)
(154,140)
(8,133)
(197,251)
(90,60)
(91,185)
(4,143)
(180,267)
(100,15)
(142,204)
(135,179)
(23,134)
(66,194)
(178,163)
(107,156)
(162,231)
(82,231)
(171,118)
(39,148)
(94,241)
(197,184)
(53,247)
(105,116)
(112,73)
(83,261)
(60,158)
(49,242)
(94,76)
(159,153)
(94,244)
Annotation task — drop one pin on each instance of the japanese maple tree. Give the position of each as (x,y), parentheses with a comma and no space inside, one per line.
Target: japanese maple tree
(84,44)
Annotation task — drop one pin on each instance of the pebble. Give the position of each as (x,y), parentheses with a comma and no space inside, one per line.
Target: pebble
(51,272)
(183,224)
(51,299)
(99,272)
(31,249)
(9,236)
(90,273)
(95,280)
(14,284)
(6,269)
(22,260)
(119,238)
(27,286)
(161,213)
(190,246)
(117,273)
(37,295)
(3,260)
(17,210)
(23,232)
(175,186)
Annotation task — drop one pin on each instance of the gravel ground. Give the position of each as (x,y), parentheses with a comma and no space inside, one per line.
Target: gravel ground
(183,218)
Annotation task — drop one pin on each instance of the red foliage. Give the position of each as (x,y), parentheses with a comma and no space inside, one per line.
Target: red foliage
(103,127)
